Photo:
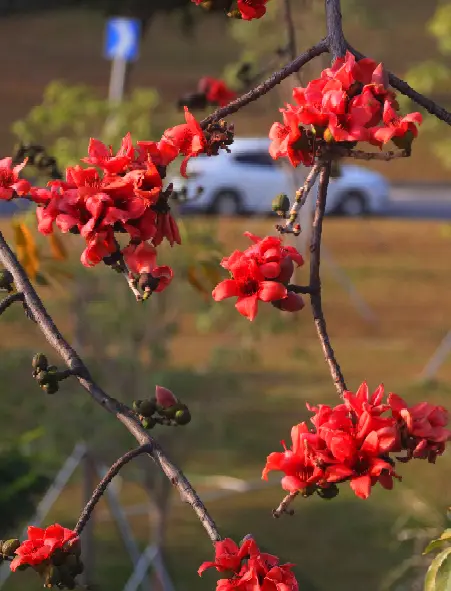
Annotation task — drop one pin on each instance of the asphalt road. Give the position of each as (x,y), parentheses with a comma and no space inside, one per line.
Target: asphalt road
(420,202)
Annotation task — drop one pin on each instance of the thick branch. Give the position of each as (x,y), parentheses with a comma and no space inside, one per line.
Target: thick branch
(335,38)
(301,197)
(267,85)
(431,106)
(305,289)
(315,280)
(9,300)
(119,410)
(361,155)
(103,484)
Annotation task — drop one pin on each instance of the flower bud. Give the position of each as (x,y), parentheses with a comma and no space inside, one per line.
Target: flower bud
(328,137)
(40,362)
(293,302)
(148,282)
(43,378)
(10,546)
(147,407)
(136,405)
(281,203)
(164,397)
(51,387)
(148,422)
(6,280)
(404,142)
(183,416)
(328,493)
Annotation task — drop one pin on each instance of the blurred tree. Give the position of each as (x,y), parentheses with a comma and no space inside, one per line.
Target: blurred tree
(22,482)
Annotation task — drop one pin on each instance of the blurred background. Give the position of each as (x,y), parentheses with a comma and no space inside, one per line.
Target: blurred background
(386,297)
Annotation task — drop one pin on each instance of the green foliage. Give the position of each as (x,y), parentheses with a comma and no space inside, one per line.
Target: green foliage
(69,115)
(22,482)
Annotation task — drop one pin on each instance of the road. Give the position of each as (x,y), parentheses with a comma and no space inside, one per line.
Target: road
(420,202)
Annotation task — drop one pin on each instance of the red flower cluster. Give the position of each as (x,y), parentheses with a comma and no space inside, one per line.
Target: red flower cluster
(352,442)
(42,543)
(350,102)
(10,184)
(261,272)
(251,569)
(216,91)
(248,9)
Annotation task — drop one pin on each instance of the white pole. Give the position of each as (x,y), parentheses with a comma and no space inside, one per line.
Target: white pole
(437,359)
(117,80)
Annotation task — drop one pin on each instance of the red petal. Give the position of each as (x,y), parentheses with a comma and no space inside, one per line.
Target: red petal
(228,288)
(361,486)
(271,290)
(248,306)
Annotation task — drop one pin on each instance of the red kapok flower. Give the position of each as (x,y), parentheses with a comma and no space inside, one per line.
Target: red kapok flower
(142,258)
(41,544)
(249,568)
(290,140)
(249,285)
(423,428)
(102,156)
(216,91)
(251,9)
(396,126)
(9,179)
(188,138)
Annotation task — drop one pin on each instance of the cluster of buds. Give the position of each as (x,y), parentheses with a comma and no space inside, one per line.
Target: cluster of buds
(6,281)
(162,409)
(47,376)
(219,136)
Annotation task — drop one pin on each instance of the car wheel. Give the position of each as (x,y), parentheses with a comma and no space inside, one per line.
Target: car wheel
(227,203)
(353,204)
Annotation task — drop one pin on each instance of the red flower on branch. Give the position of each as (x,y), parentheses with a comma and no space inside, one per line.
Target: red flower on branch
(10,183)
(251,9)
(41,544)
(187,138)
(249,568)
(290,140)
(352,442)
(216,91)
(102,156)
(249,286)
(141,259)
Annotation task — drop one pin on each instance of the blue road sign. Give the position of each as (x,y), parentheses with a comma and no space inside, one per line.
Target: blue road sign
(122,38)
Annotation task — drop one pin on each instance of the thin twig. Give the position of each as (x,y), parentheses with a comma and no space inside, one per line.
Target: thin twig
(361,155)
(301,198)
(291,34)
(335,37)
(285,503)
(315,280)
(267,85)
(305,289)
(9,300)
(119,410)
(103,484)
(431,106)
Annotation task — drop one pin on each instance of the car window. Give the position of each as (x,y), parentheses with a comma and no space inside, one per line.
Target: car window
(254,158)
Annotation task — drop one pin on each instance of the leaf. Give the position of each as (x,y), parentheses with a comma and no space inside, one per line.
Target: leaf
(26,249)
(57,248)
(434,544)
(438,576)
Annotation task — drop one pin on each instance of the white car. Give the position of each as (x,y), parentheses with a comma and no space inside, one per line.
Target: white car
(248,179)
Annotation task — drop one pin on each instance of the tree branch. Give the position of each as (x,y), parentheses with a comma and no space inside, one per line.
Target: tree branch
(300,199)
(431,106)
(291,34)
(9,300)
(315,280)
(285,503)
(267,85)
(361,155)
(119,410)
(103,484)
(335,37)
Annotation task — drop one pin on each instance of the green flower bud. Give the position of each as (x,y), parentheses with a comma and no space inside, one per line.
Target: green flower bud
(52,369)
(42,378)
(329,492)
(183,417)
(137,405)
(40,362)
(51,387)
(148,407)
(280,203)
(148,422)
(6,280)
(10,546)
